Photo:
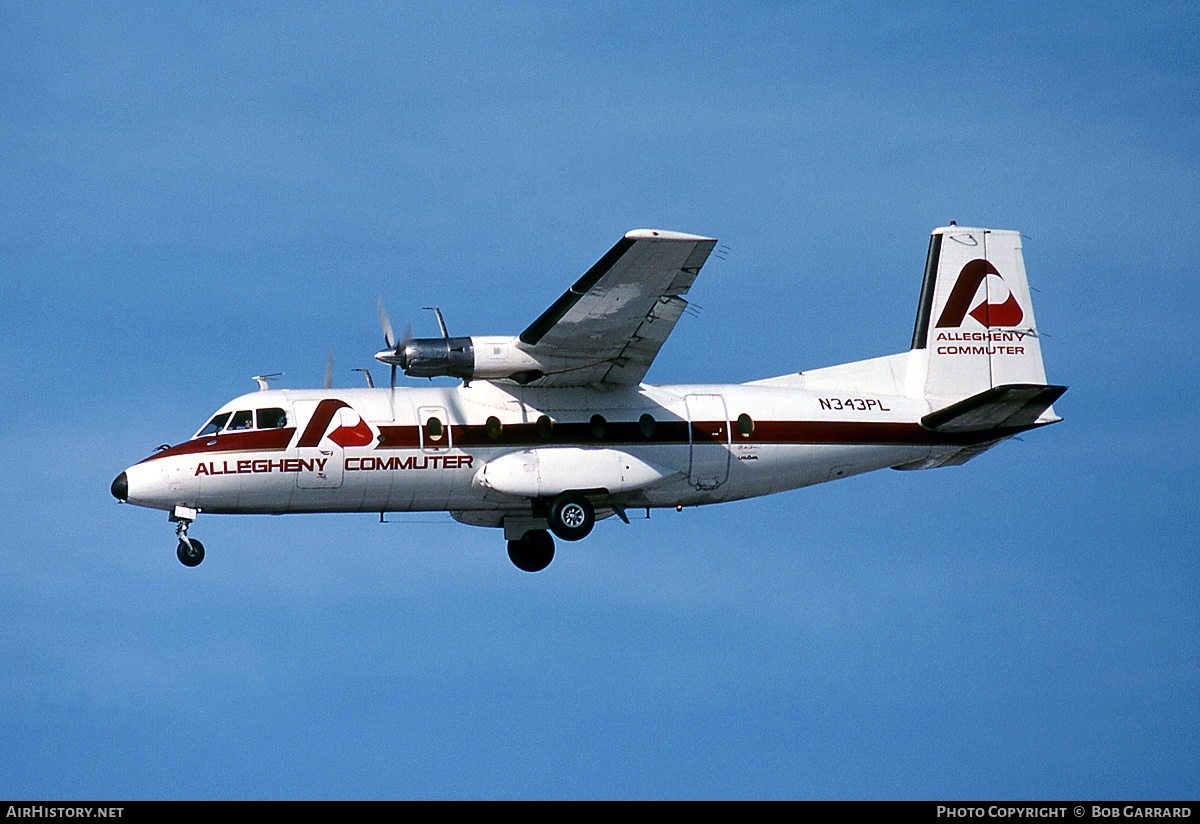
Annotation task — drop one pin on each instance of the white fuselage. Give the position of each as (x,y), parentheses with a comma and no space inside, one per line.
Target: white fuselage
(485,450)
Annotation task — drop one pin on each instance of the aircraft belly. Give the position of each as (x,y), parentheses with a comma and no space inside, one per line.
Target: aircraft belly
(831,462)
(270,494)
(770,468)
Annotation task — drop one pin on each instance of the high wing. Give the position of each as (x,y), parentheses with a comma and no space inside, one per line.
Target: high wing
(616,317)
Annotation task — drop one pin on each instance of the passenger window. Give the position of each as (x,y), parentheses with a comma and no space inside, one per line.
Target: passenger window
(215,425)
(434,429)
(598,426)
(494,427)
(647,425)
(272,419)
(241,420)
(745,425)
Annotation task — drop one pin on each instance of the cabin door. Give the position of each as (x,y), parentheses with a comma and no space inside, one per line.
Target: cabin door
(321,458)
(708,437)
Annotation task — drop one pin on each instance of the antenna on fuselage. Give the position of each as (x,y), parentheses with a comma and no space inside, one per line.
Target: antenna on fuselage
(367,372)
(441,320)
(262,380)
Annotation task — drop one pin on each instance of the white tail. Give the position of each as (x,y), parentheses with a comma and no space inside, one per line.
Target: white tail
(975,323)
(975,357)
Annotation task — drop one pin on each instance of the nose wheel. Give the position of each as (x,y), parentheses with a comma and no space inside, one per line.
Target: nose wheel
(190,551)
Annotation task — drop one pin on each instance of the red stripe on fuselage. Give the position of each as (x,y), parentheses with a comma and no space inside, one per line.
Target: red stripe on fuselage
(852,433)
(257,440)
(677,432)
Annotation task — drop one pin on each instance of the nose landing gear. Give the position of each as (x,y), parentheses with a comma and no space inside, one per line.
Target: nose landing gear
(190,551)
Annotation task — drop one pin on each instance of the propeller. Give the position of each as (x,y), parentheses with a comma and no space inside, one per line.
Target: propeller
(329,370)
(389,337)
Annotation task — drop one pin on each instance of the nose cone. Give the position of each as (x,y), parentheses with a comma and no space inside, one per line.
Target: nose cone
(120,488)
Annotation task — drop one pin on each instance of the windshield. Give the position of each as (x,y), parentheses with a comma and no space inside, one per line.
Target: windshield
(214,426)
(242,420)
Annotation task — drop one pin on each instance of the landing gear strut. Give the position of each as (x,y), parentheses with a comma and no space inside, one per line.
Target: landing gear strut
(533,552)
(190,551)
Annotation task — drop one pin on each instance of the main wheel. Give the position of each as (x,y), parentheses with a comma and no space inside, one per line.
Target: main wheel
(571,516)
(190,552)
(533,552)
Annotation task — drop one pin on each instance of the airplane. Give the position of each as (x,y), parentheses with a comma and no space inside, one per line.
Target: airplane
(554,429)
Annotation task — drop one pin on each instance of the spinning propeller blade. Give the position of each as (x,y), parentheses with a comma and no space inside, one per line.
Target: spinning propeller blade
(389,337)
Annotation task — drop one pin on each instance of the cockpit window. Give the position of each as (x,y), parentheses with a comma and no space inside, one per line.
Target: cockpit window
(272,419)
(241,420)
(215,425)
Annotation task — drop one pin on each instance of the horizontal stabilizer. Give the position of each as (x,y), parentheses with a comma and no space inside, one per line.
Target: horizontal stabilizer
(1014,406)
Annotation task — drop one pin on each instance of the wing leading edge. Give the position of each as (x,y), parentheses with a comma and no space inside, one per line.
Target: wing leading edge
(616,317)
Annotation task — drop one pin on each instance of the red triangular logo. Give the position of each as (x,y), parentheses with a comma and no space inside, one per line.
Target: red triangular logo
(999,314)
(357,435)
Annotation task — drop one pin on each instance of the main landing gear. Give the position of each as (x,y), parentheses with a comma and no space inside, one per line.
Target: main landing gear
(533,552)
(190,551)
(570,516)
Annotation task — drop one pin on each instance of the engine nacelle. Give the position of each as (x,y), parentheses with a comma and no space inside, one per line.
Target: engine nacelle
(434,357)
(473,358)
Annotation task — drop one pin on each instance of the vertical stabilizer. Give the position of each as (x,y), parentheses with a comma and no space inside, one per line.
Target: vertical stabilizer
(975,328)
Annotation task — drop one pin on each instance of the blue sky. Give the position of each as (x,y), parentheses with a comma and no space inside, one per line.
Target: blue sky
(194,197)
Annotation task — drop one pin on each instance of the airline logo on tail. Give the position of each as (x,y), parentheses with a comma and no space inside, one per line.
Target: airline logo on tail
(1007,313)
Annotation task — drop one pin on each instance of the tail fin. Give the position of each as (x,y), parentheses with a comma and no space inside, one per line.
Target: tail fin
(975,328)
